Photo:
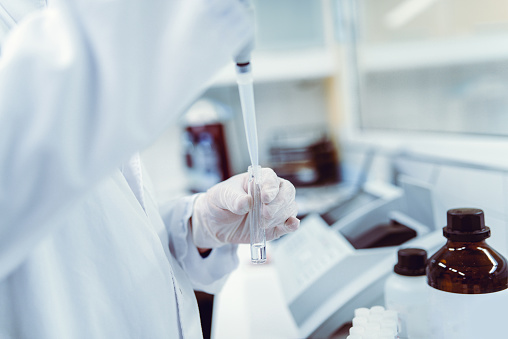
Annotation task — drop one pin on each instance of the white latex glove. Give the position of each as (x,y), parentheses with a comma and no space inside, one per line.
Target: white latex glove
(220,214)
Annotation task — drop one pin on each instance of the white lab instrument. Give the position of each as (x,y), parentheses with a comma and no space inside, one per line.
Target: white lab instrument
(326,278)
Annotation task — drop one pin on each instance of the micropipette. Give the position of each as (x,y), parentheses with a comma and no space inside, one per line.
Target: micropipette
(244,80)
(257,231)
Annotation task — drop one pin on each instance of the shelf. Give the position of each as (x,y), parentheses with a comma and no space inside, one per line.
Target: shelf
(284,66)
(451,149)
(434,53)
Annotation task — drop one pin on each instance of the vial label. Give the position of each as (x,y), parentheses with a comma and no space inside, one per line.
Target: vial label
(467,316)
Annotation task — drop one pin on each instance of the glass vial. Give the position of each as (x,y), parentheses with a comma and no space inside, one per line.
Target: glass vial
(405,292)
(468,281)
(257,229)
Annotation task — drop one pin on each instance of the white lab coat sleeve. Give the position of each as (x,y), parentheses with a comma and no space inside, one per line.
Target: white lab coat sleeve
(206,274)
(87,83)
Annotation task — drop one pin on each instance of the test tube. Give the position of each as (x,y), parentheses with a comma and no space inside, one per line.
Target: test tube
(257,230)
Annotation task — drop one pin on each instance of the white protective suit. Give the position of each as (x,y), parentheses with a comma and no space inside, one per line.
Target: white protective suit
(84,251)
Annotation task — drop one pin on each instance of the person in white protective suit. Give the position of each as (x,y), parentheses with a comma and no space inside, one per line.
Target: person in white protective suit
(85,252)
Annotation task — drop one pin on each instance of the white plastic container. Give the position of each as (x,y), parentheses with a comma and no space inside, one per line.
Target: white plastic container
(406,292)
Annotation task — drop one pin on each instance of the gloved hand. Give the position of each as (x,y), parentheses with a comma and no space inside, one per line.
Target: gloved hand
(220,214)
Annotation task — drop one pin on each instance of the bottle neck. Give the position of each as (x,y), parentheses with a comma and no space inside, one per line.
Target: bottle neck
(466,244)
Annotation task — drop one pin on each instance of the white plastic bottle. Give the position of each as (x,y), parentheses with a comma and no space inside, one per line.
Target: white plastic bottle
(406,292)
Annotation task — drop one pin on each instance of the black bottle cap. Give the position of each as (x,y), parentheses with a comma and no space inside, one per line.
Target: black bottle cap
(411,262)
(466,224)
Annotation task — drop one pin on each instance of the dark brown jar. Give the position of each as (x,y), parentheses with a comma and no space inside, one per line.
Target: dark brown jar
(467,264)
(468,280)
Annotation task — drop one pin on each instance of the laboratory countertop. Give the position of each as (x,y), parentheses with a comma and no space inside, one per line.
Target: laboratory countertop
(251,304)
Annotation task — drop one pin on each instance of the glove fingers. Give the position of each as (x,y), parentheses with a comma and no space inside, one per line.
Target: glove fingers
(270,185)
(282,207)
(231,196)
(276,232)
(281,217)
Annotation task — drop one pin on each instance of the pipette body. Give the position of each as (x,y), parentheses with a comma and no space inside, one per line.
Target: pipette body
(257,230)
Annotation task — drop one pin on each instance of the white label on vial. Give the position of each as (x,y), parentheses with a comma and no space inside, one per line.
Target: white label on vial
(467,316)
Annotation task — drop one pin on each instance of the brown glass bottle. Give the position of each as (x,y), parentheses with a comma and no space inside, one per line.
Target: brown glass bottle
(467,281)
(467,264)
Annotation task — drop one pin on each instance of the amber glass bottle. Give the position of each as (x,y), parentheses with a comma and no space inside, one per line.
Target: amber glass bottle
(467,264)
(469,279)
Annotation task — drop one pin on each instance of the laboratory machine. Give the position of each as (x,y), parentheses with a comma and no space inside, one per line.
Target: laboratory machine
(329,268)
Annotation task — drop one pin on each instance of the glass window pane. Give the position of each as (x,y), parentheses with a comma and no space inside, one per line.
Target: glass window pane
(432,65)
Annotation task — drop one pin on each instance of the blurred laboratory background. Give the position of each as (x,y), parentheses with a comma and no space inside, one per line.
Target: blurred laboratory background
(384,114)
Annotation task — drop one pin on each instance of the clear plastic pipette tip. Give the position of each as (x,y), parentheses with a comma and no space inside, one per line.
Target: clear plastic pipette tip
(246,91)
